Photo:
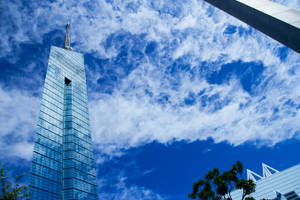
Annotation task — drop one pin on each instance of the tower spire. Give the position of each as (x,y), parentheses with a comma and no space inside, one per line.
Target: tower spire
(67,40)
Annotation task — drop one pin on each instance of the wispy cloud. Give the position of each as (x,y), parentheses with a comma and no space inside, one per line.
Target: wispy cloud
(152,68)
(18,119)
(122,191)
(130,117)
(147,99)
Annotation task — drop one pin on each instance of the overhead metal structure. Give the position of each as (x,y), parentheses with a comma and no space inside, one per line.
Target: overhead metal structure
(267,171)
(253,176)
(275,20)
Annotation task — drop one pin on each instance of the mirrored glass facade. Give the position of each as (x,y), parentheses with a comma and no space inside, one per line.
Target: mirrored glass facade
(282,185)
(63,163)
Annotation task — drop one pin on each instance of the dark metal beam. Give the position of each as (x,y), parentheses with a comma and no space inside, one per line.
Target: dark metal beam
(279,22)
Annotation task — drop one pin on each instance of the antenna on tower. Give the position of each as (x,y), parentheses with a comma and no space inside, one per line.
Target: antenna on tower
(67,40)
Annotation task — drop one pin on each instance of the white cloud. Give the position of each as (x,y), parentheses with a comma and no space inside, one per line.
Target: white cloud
(129,118)
(92,24)
(126,192)
(18,118)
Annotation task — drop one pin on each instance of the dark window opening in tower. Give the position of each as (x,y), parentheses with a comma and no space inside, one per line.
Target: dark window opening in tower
(67,81)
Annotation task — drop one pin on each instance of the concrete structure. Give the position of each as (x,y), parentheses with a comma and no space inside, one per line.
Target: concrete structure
(63,163)
(279,22)
(274,185)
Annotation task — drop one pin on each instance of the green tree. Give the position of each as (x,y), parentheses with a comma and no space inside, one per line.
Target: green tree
(10,191)
(218,186)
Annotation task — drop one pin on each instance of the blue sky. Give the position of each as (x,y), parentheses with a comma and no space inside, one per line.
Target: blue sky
(175,89)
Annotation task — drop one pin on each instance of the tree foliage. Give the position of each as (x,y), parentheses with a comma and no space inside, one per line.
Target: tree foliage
(218,186)
(10,191)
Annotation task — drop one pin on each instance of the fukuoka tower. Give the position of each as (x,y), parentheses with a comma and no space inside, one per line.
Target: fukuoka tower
(63,161)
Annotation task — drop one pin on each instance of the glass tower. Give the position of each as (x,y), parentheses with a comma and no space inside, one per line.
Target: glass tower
(63,163)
